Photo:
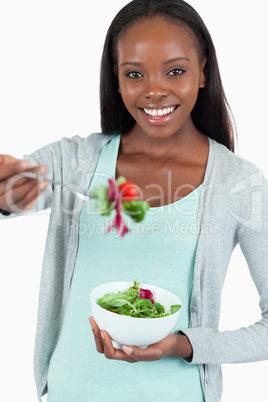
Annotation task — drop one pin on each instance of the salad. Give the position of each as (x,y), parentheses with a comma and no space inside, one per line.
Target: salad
(120,195)
(135,302)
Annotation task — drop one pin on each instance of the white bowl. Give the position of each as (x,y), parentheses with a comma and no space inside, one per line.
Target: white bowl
(125,330)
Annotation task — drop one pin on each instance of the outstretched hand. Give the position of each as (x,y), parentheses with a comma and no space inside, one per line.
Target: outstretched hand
(174,345)
(17,193)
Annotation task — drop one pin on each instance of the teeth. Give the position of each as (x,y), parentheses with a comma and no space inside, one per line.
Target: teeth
(159,112)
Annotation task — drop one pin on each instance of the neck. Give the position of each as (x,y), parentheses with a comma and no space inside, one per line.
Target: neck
(185,139)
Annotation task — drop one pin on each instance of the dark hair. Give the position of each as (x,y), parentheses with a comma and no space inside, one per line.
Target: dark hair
(211,114)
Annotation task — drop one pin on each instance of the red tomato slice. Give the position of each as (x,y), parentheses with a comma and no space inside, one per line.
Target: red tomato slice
(129,191)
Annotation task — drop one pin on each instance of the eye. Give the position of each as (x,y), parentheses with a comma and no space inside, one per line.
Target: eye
(133,74)
(175,72)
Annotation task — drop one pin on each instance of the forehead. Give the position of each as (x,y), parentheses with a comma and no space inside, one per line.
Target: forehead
(156,38)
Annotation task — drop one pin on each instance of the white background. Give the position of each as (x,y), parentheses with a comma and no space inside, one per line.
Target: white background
(49,72)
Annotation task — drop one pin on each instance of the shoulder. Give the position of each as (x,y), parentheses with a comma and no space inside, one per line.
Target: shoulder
(85,144)
(73,148)
(80,153)
(238,181)
(70,155)
(229,164)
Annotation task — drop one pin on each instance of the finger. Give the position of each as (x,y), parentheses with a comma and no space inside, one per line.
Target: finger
(104,344)
(20,191)
(19,199)
(97,335)
(111,353)
(18,179)
(7,159)
(11,166)
(149,354)
(29,198)
(39,170)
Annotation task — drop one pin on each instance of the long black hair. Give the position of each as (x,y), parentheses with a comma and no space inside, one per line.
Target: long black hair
(211,114)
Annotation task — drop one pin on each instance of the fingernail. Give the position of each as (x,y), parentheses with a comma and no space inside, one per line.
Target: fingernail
(127,350)
(24,164)
(102,335)
(43,185)
(42,169)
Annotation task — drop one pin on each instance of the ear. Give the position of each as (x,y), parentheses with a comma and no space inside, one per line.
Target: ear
(202,83)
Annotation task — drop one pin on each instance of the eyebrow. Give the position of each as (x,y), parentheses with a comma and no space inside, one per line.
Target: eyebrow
(175,59)
(137,64)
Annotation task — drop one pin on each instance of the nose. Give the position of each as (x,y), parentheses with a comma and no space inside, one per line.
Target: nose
(156,91)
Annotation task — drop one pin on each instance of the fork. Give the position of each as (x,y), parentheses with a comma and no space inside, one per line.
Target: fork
(82,194)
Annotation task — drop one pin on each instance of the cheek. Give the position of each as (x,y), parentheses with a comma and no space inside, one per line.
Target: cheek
(188,90)
(128,90)
(129,95)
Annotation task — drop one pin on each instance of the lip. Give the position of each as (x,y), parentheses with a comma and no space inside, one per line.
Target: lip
(158,120)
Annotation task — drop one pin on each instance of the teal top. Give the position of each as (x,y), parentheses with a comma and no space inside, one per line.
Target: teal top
(160,250)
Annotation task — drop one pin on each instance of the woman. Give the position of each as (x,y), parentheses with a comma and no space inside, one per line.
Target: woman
(159,66)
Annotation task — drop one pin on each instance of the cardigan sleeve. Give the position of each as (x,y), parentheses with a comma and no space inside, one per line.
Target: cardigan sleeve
(247,344)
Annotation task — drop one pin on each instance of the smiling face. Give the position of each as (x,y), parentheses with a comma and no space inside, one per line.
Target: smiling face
(159,73)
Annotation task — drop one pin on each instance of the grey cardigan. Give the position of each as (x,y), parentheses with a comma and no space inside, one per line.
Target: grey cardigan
(233,209)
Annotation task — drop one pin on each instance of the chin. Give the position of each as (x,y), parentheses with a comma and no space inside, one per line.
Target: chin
(160,132)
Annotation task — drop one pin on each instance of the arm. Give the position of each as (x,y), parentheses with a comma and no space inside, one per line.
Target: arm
(247,344)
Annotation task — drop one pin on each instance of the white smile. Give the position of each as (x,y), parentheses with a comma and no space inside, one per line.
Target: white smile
(159,112)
